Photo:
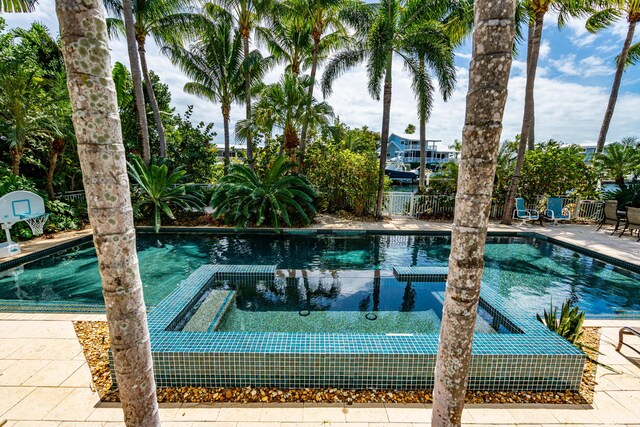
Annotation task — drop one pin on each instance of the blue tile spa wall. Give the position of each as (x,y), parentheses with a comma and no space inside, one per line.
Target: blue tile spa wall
(528,357)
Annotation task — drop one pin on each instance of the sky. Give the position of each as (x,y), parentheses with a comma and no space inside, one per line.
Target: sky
(573,83)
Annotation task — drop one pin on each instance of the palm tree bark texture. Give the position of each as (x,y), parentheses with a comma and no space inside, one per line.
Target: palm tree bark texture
(384,134)
(96,121)
(493,36)
(532,65)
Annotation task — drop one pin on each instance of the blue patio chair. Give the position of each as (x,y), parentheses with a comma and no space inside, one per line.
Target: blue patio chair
(555,212)
(523,214)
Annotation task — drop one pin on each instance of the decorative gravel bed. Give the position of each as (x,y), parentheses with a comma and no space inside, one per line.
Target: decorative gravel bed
(94,337)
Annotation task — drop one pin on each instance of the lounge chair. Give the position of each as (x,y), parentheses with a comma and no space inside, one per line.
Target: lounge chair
(611,215)
(626,330)
(555,212)
(523,214)
(633,222)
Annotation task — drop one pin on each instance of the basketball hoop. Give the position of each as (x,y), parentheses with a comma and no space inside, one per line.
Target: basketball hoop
(36,222)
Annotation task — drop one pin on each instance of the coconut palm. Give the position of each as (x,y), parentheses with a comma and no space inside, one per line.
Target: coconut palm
(216,64)
(629,55)
(247,14)
(564,9)
(328,32)
(167,21)
(288,41)
(383,31)
(17,6)
(618,161)
(104,171)
(284,105)
(493,39)
(243,197)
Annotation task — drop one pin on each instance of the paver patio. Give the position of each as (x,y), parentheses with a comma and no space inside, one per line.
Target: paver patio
(45,381)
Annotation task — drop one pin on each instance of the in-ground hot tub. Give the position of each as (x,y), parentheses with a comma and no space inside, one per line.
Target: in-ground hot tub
(241,325)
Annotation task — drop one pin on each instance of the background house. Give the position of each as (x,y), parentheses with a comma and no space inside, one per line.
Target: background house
(409,147)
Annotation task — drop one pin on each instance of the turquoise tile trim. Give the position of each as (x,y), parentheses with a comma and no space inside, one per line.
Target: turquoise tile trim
(223,309)
(421,274)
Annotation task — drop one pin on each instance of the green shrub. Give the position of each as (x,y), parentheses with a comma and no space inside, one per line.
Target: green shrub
(629,196)
(159,189)
(346,180)
(243,197)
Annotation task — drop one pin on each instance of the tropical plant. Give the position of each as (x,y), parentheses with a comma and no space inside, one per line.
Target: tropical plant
(444,180)
(537,10)
(382,31)
(605,17)
(328,33)
(105,174)
(283,105)
(167,21)
(568,325)
(17,6)
(247,14)
(486,98)
(216,64)
(629,196)
(244,198)
(160,188)
(618,161)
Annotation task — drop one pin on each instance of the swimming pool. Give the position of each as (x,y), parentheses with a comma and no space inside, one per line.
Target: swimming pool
(526,272)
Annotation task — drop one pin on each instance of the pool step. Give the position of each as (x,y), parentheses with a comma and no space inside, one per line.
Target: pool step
(212,307)
(421,274)
(237,271)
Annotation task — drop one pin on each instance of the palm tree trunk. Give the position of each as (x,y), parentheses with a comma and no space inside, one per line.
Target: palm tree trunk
(613,97)
(16,157)
(532,65)
(423,141)
(227,147)
(247,89)
(488,79)
(384,133)
(152,100)
(136,76)
(57,147)
(312,77)
(532,138)
(102,159)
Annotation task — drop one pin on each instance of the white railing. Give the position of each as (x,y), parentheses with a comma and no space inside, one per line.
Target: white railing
(71,196)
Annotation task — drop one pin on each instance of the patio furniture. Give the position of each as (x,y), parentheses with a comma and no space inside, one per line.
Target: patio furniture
(555,212)
(523,214)
(632,222)
(612,215)
(626,330)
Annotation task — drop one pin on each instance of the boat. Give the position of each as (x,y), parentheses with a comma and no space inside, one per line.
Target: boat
(400,172)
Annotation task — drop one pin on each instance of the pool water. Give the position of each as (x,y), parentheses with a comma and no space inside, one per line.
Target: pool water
(527,273)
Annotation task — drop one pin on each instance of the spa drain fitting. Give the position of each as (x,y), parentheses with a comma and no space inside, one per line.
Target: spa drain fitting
(371,316)
(304,313)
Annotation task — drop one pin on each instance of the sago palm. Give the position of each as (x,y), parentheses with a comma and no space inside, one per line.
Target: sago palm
(243,197)
(166,21)
(217,66)
(617,161)
(384,31)
(247,14)
(160,188)
(629,55)
(283,105)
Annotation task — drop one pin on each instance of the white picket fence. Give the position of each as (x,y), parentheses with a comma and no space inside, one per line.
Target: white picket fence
(400,204)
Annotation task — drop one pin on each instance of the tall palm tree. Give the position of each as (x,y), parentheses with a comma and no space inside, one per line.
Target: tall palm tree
(328,32)
(167,21)
(617,161)
(383,31)
(217,66)
(493,39)
(17,6)
(537,9)
(104,170)
(629,55)
(283,105)
(248,14)
(288,41)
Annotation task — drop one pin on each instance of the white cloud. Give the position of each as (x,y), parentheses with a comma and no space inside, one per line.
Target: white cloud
(590,66)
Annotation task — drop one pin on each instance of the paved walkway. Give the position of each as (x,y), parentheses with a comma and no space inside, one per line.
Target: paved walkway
(45,381)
